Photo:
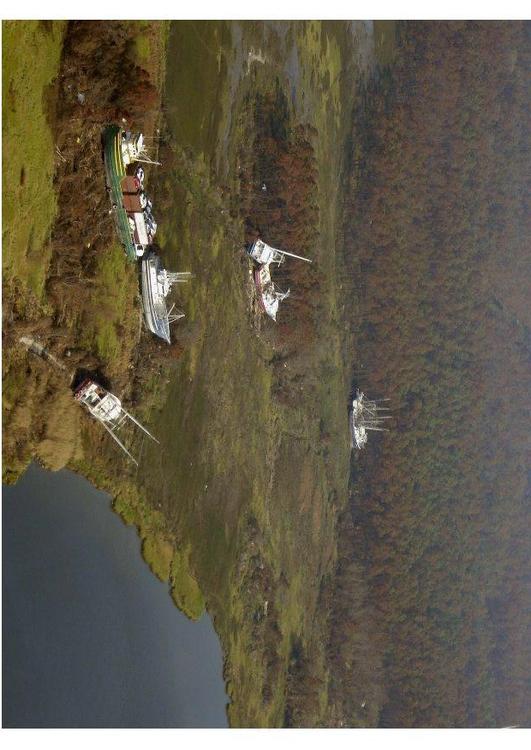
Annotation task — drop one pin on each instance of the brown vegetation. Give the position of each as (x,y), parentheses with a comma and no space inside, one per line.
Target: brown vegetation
(437,229)
(278,182)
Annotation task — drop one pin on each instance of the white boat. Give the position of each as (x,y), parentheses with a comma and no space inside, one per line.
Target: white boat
(265,256)
(365,415)
(156,285)
(107,409)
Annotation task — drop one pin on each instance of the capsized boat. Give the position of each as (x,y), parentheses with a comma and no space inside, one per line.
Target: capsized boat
(365,415)
(268,294)
(107,409)
(156,285)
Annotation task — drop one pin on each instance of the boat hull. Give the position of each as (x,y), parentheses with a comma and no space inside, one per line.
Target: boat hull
(114,173)
(155,312)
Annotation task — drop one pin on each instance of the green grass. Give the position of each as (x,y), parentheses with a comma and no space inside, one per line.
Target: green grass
(31,57)
(158,553)
(142,48)
(196,119)
(116,283)
(184,587)
(225,405)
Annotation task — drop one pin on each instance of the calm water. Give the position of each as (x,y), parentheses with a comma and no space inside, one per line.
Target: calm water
(90,636)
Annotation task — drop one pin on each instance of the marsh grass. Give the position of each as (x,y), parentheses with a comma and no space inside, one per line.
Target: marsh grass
(110,323)
(29,198)
(249,483)
(184,587)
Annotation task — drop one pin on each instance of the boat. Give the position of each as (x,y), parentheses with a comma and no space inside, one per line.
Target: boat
(123,151)
(156,285)
(268,294)
(365,415)
(107,409)
(263,254)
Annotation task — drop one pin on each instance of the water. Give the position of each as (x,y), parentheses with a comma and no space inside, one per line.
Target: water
(90,637)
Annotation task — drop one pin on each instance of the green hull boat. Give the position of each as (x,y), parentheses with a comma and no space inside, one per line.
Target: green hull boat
(114,172)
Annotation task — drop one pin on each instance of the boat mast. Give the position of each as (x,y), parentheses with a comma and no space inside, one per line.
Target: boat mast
(172,317)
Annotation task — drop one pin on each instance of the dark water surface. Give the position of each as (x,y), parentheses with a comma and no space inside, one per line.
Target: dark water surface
(90,636)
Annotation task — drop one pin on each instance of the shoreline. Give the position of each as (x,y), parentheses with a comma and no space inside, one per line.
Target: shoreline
(241,553)
(57,434)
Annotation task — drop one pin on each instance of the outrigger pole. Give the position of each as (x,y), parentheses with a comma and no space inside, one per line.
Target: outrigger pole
(179,277)
(140,425)
(172,317)
(292,255)
(35,347)
(122,446)
(149,161)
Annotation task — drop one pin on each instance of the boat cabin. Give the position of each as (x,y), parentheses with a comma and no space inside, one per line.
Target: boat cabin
(101,404)
(132,146)
(263,254)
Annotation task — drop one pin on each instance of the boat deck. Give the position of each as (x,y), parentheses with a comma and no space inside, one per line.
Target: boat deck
(155,312)
(115,171)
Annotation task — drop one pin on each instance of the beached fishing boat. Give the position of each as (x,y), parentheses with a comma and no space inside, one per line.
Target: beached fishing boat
(265,256)
(107,409)
(365,415)
(268,294)
(156,285)
(104,406)
(131,207)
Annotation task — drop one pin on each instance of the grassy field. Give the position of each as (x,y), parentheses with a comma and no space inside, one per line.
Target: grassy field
(29,198)
(110,318)
(246,484)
